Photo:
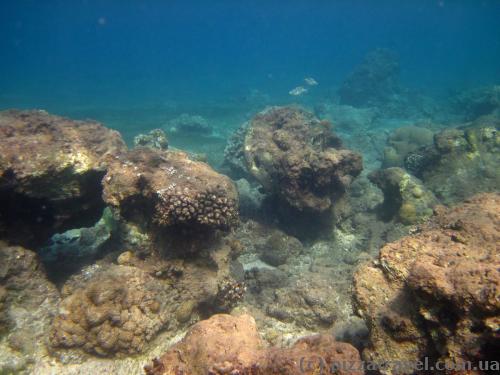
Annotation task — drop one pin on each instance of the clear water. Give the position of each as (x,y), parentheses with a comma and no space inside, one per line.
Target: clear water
(135,64)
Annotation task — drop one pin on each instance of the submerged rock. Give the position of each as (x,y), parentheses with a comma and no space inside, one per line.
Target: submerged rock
(118,310)
(155,138)
(402,142)
(227,344)
(297,157)
(69,250)
(375,81)
(466,161)
(478,102)
(165,189)
(50,173)
(189,125)
(115,310)
(435,294)
(27,303)
(405,197)
(279,247)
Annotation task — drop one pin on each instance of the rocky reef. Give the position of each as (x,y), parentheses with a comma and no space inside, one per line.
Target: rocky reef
(435,293)
(156,139)
(50,173)
(164,189)
(298,159)
(112,309)
(405,197)
(189,125)
(175,250)
(28,302)
(227,344)
(403,141)
(477,102)
(463,161)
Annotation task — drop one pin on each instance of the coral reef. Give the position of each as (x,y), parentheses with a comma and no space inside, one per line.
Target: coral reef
(168,189)
(50,172)
(278,248)
(227,344)
(234,154)
(405,197)
(119,310)
(189,124)
(155,138)
(435,293)
(297,158)
(465,161)
(375,81)
(403,141)
(27,303)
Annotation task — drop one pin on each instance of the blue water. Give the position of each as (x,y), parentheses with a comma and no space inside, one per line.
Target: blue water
(134,64)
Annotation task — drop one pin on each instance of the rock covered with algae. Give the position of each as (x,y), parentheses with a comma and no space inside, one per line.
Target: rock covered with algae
(466,161)
(166,189)
(405,197)
(298,158)
(50,172)
(436,293)
(227,344)
(113,310)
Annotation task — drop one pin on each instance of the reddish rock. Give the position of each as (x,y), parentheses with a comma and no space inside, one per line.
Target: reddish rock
(50,173)
(227,344)
(437,293)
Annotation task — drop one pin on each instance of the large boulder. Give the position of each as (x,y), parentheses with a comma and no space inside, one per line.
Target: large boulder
(166,189)
(297,157)
(227,344)
(50,173)
(435,294)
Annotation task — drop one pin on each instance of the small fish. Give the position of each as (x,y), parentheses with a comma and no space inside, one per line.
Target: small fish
(311,81)
(299,90)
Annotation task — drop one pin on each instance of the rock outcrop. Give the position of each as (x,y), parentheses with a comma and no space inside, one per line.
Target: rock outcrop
(165,189)
(117,309)
(405,197)
(50,173)
(298,158)
(465,161)
(227,344)
(436,293)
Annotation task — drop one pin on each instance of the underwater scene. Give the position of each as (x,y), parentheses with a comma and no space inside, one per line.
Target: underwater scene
(249,187)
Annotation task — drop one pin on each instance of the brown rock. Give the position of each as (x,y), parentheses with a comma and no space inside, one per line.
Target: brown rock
(227,344)
(50,173)
(167,189)
(297,157)
(436,293)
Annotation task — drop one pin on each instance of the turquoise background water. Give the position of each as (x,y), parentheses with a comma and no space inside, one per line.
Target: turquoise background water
(135,64)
